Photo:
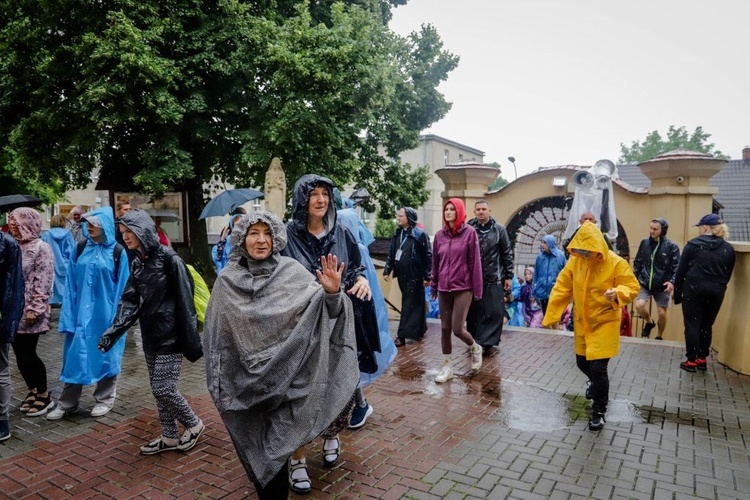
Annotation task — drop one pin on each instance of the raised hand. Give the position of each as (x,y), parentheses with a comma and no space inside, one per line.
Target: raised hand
(330,276)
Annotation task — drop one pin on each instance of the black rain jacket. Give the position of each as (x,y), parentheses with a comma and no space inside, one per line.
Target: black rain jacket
(705,259)
(12,287)
(496,251)
(307,249)
(666,257)
(159,293)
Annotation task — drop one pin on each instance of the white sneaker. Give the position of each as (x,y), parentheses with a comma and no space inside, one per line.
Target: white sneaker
(56,414)
(445,373)
(476,357)
(100,410)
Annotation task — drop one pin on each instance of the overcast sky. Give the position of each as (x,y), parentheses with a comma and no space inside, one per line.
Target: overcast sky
(558,82)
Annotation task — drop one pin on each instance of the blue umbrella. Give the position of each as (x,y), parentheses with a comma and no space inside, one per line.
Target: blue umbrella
(227,201)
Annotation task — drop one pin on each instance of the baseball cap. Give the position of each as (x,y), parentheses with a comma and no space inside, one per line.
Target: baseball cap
(710,220)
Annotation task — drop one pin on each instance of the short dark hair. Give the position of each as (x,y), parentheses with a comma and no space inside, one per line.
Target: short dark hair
(481,201)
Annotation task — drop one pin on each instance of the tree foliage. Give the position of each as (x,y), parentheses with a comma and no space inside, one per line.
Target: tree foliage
(677,138)
(178,93)
(500,181)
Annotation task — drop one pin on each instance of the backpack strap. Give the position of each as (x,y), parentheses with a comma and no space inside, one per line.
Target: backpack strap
(117,252)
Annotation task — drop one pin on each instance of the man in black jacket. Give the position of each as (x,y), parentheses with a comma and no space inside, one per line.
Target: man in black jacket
(485,319)
(655,266)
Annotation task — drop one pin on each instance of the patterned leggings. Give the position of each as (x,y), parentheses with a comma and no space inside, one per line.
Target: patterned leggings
(340,423)
(163,373)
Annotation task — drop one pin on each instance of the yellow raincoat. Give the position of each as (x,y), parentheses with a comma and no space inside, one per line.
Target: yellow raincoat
(584,281)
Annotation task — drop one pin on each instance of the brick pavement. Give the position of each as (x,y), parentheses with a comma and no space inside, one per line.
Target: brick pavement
(516,430)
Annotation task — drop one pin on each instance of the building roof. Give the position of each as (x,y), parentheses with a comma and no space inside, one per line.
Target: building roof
(733,183)
(433,137)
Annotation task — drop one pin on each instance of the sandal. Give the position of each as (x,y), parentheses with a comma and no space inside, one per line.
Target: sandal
(301,483)
(40,406)
(330,457)
(400,342)
(28,402)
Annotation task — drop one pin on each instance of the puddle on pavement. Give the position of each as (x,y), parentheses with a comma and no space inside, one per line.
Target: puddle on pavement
(530,408)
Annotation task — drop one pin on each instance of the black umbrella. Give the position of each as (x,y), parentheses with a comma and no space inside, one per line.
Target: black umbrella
(225,202)
(13,201)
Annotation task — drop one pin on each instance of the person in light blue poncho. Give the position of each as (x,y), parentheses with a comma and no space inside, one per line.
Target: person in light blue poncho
(63,247)
(349,219)
(220,251)
(93,289)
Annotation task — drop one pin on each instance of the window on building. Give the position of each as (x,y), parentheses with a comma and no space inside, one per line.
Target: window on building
(460,157)
(446,156)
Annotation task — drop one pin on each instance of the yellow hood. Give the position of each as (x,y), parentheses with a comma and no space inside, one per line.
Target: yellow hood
(589,237)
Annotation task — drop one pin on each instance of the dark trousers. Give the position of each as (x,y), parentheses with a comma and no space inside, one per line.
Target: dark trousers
(30,365)
(596,371)
(277,488)
(700,306)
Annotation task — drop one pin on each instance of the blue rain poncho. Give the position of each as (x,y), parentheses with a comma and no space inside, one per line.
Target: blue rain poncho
(350,220)
(92,292)
(63,247)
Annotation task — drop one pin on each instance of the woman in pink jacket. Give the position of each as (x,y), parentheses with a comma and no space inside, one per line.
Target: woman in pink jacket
(456,280)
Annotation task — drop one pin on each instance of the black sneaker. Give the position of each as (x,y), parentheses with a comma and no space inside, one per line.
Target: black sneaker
(596,422)
(647,329)
(4,430)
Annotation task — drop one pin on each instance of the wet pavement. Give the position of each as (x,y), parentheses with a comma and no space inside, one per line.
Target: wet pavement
(517,429)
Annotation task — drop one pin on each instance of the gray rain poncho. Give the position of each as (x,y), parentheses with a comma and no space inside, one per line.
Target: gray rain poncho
(281,357)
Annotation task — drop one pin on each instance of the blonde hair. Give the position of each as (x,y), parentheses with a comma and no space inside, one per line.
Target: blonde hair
(720,231)
(58,220)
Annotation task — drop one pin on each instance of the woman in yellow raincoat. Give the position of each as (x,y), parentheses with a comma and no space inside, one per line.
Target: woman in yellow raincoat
(600,283)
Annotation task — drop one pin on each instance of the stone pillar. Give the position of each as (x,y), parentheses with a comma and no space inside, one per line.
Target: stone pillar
(275,189)
(680,191)
(467,181)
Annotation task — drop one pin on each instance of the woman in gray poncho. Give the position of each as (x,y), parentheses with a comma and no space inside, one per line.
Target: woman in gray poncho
(281,358)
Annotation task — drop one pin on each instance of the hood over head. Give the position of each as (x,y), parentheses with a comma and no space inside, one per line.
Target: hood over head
(550,241)
(301,199)
(589,238)
(102,217)
(142,225)
(277,227)
(411,216)
(29,223)
(75,210)
(531,270)
(460,214)
(664,225)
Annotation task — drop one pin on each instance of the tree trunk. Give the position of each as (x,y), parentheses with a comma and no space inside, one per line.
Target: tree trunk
(197,249)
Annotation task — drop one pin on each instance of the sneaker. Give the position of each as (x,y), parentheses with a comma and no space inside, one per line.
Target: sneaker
(59,413)
(589,395)
(100,410)
(359,416)
(157,446)
(299,480)
(701,364)
(596,422)
(445,373)
(190,438)
(647,329)
(476,357)
(689,366)
(4,430)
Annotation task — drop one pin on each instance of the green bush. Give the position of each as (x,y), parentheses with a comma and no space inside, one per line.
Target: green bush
(384,228)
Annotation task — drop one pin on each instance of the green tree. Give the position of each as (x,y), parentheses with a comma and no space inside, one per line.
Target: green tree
(677,138)
(500,181)
(179,94)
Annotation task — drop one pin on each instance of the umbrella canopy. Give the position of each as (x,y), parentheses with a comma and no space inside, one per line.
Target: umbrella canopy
(13,201)
(166,215)
(225,202)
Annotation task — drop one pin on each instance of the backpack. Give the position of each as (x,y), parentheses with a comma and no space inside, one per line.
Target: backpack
(201,294)
(117,252)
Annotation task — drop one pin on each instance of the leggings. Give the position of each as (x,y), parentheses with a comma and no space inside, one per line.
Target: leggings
(596,371)
(454,306)
(30,365)
(340,423)
(163,374)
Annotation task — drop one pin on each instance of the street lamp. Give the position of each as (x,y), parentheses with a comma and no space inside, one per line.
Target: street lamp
(512,159)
